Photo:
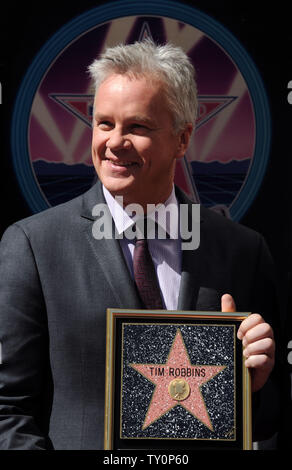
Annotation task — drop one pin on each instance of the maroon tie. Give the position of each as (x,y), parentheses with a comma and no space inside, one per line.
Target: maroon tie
(145,276)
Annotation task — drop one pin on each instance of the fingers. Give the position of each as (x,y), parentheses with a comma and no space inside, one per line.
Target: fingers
(265,346)
(259,348)
(227,303)
(258,343)
(254,328)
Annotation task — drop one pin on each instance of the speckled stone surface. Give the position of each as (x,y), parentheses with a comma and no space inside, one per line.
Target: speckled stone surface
(201,346)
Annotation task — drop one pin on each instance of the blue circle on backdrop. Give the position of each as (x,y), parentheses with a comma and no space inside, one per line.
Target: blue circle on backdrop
(111,11)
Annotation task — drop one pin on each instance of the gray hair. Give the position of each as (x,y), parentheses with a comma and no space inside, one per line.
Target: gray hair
(166,63)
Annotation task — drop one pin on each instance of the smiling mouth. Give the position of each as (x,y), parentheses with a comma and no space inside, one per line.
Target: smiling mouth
(122,164)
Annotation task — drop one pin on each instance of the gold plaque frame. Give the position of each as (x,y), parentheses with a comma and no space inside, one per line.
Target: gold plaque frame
(129,390)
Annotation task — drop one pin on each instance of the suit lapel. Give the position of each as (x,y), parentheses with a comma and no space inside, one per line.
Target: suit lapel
(191,265)
(189,284)
(194,293)
(108,253)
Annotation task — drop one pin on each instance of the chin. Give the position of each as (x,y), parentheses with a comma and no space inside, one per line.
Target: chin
(117,187)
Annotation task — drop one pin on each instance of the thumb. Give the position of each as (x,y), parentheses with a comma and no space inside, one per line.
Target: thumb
(227,303)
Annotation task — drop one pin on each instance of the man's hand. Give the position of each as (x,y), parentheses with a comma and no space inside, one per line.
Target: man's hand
(258,342)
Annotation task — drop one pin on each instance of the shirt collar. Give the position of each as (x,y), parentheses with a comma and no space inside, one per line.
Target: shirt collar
(165,215)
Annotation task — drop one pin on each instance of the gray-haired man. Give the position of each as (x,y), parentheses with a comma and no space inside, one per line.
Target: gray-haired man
(57,279)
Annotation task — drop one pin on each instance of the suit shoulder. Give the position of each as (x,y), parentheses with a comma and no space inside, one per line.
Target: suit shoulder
(227,228)
(212,220)
(53,219)
(51,215)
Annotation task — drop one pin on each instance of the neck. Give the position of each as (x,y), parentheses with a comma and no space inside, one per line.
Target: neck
(152,200)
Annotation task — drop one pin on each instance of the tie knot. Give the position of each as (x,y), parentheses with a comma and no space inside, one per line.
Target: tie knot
(141,242)
(147,228)
(143,227)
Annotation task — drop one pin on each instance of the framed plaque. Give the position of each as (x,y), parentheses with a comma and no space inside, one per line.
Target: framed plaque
(176,380)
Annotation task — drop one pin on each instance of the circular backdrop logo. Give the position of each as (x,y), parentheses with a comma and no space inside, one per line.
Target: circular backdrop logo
(51,126)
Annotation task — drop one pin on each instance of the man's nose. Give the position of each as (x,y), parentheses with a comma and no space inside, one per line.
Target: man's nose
(117,140)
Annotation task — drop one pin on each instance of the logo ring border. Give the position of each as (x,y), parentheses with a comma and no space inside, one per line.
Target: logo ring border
(113,10)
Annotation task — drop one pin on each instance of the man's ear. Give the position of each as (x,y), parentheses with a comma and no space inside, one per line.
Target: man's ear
(184,140)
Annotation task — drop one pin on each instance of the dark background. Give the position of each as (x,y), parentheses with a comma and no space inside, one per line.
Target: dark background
(264,30)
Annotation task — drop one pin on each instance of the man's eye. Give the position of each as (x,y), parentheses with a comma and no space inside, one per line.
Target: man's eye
(139,128)
(104,125)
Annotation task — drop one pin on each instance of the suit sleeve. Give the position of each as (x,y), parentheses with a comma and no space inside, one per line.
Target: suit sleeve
(24,344)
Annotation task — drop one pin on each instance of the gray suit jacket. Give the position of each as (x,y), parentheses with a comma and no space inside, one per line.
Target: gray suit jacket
(56,282)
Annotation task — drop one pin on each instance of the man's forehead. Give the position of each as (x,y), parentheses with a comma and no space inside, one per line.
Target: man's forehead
(136,98)
(122,82)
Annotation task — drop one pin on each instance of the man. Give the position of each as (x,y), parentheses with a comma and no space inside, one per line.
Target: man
(58,279)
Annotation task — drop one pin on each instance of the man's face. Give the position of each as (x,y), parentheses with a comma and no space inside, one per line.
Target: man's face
(134,146)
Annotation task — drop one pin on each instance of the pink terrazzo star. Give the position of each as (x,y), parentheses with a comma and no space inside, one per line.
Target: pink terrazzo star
(177,366)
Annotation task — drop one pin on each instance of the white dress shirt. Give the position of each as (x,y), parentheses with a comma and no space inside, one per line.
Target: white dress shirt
(166,253)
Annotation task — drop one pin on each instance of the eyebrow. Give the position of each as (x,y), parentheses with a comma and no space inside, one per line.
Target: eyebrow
(143,119)
(100,117)
(136,118)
